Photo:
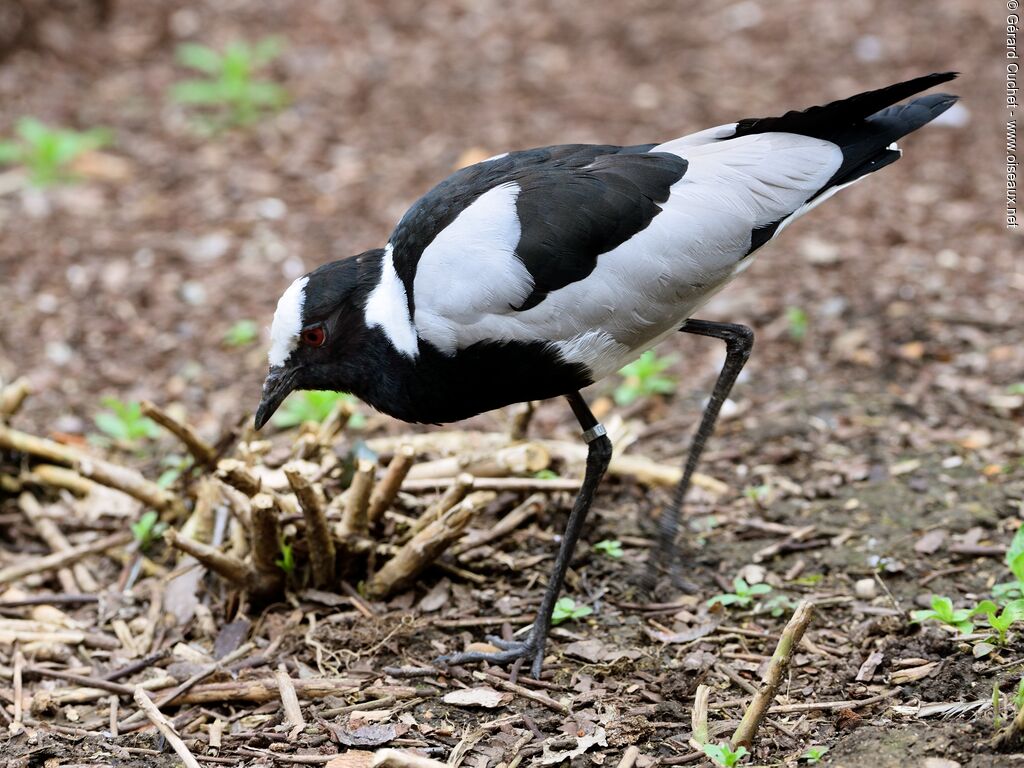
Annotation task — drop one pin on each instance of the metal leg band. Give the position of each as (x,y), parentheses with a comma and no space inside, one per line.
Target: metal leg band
(593,433)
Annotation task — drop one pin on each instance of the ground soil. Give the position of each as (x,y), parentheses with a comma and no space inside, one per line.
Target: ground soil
(890,425)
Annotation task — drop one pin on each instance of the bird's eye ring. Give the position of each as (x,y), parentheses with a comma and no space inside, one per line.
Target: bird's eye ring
(314,336)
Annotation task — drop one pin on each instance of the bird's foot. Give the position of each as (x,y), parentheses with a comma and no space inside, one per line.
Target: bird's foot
(509,651)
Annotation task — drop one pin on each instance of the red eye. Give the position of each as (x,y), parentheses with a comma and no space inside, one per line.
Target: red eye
(314,337)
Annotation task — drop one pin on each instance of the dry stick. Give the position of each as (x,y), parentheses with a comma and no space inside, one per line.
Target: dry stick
(354,521)
(318,535)
(521,458)
(265,541)
(55,540)
(790,639)
(526,693)
(460,486)
(59,477)
(224,565)
(504,527)
(62,559)
(204,453)
(236,474)
(12,396)
(335,422)
(19,667)
(499,484)
(699,717)
(103,472)
(427,545)
(290,702)
(384,494)
(265,689)
(629,757)
(84,680)
(165,728)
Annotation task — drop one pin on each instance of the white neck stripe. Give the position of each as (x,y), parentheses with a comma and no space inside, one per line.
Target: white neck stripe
(388,308)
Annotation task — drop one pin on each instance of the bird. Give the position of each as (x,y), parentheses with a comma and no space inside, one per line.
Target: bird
(537,272)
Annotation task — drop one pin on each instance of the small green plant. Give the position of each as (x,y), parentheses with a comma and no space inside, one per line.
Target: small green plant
(1011,590)
(744,593)
(124,422)
(1018,697)
(813,754)
(645,377)
(286,562)
(175,466)
(797,322)
(230,90)
(1016,389)
(997,715)
(147,529)
(1001,621)
(610,547)
(942,611)
(242,334)
(313,405)
(546,474)
(778,605)
(566,609)
(757,493)
(724,755)
(48,153)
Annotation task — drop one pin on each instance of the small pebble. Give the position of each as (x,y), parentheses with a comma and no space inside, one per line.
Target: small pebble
(865,589)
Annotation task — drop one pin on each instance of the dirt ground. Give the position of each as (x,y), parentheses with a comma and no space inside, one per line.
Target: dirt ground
(884,446)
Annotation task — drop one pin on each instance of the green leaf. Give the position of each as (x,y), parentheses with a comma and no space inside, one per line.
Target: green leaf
(199,57)
(10,153)
(566,608)
(242,333)
(1015,555)
(610,547)
(759,589)
(111,425)
(943,607)
(199,92)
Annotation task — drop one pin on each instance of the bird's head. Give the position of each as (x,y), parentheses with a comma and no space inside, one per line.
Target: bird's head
(317,331)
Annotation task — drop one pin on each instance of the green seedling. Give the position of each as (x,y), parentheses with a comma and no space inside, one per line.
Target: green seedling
(778,605)
(724,755)
(242,334)
(796,321)
(176,466)
(230,90)
(1018,697)
(147,529)
(757,493)
(743,596)
(124,422)
(812,755)
(313,405)
(1012,590)
(566,609)
(1001,621)
(610,547)
(942,611)
(546,474)
(48,153)
(644,377)
(286,562)
(997,719)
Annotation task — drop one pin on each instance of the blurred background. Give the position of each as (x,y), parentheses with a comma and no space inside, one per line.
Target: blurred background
(192,158)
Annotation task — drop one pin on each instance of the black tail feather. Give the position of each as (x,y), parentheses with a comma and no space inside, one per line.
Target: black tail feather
(825,121)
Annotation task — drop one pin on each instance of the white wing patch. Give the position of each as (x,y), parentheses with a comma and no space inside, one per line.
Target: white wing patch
(639,292)
(388,308)
(284,332)
(470,271)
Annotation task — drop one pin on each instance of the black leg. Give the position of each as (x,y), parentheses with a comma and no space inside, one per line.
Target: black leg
(599,453)
(739,340)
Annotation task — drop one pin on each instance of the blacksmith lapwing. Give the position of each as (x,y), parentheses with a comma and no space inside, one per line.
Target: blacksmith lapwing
(535,273)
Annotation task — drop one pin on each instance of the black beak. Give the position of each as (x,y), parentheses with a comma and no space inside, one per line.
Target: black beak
(278,385)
